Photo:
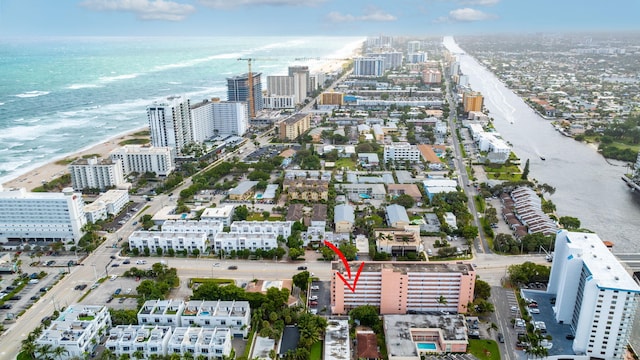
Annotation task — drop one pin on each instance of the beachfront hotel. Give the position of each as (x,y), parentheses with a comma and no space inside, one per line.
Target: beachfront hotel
(96,173)
(142,159)
(40,217)
(401,287)
(170,124)
(594,294)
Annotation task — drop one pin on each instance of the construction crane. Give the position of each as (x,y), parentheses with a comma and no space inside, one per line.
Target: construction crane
(252,105)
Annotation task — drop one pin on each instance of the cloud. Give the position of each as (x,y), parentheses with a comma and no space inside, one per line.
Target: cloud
(371,14)
(225,4)
(144,9)
(479,2)
(465,15)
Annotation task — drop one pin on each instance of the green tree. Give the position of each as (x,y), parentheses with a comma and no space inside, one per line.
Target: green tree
(241,213)
(295,253)
(301,279)
(569,222)
(367,315)
(348,250)
(482,290)
(441,301)
(525,171)
(404,200)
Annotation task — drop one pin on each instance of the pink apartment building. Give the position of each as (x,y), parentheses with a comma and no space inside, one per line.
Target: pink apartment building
(401,287)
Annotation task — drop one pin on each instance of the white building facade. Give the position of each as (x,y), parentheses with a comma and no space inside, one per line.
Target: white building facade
(77,330)
(236,241)
(235,315)
(209,227)
(96,173)
(165,240)
(402,152)
(111,202)
(42,217)
(367,66)
(170,124)
(224,214)
(260,227)
(594,294)
(146,339)
(142,159)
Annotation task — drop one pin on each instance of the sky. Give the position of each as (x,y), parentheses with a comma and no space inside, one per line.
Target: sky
(29,18)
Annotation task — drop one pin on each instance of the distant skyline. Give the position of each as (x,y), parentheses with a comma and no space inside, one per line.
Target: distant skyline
(311,17)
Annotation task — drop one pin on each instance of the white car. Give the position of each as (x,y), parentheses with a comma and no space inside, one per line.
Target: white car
(141,262)
(534,311)
(312,298)
(128,291)
(315,287)
(114,277)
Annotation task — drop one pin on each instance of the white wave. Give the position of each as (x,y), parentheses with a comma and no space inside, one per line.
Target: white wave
(82,86)
(174,82)
(108,79)
(1,103)
(10,166)
(193,62)
(4,150)
(30,94)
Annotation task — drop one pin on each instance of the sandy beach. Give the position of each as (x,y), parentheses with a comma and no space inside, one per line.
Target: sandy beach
(52,170)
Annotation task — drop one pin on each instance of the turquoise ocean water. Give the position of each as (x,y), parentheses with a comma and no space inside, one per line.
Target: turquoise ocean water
(61,95)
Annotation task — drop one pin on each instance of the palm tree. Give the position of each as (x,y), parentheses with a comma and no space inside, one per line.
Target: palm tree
(29,346)
(441,301)
(138,354)
(59,351)
(44,351)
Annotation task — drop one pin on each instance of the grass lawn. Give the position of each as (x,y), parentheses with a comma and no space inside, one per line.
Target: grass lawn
(316,351)
(134,141)
(346,163)
(484,349)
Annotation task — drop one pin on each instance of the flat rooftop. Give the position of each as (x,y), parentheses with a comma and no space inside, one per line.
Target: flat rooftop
(407,267)
(397,329)
(607,271)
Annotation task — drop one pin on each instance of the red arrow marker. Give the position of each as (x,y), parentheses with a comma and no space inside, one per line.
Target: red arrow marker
(346,265)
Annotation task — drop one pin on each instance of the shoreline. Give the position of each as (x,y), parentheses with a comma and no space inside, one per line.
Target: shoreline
(32,178)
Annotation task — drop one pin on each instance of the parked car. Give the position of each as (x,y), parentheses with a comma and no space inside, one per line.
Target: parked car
(302,268)
(110,299)
(5,306)
(16,297)
(500,338)
(35,298)
(313,297)
(115,265)
(126,262)
(313,303)
(315,287)
(232,267)
(534,311)
(141,262)
(118,291)
(128,291)
(570,337)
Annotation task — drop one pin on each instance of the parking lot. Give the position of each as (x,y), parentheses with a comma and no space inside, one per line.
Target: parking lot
(322,290)
(558,332)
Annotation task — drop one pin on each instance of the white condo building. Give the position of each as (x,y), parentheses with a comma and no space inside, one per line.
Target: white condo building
(402,152)
(142,159)
(215,117)
(209,227)
(279,102)
(224,214)
(42,217)
(213,343)
(77,329)
(148,339)
(170,124)
(165,240)
(260,227)
(280,85)
(237,241)
(235,315)
(96,173)
(366,66)
(111,202)
(594,294)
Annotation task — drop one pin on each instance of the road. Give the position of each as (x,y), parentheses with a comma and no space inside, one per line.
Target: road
(482,246)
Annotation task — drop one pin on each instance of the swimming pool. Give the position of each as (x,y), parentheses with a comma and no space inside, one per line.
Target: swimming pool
(426,346)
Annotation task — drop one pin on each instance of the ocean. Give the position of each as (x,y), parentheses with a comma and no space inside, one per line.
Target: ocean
(62,95)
